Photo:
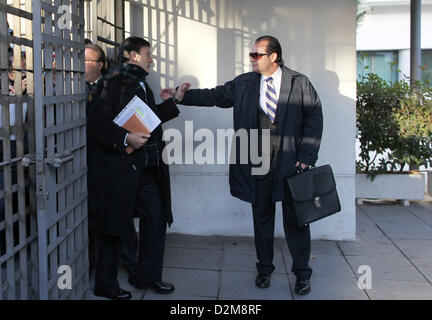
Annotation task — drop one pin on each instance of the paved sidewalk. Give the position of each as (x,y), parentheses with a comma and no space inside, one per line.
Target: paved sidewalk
(395,241)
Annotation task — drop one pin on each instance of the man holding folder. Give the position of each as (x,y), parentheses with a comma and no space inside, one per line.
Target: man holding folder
(127,176)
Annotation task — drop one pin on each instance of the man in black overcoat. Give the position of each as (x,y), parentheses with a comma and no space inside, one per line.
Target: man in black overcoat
(284,102)
(123,185)
(95,68)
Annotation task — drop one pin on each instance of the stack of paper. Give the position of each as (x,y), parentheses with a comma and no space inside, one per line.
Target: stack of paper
(137,117)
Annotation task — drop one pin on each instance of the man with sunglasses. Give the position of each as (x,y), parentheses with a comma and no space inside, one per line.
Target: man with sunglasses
(284,102)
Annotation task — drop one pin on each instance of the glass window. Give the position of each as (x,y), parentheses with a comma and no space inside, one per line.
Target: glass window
(426,61)
(379,63)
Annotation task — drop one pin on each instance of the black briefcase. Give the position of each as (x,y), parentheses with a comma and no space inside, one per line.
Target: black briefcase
(314,194)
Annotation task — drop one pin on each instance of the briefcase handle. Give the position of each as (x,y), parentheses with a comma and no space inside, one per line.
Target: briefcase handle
(300,170)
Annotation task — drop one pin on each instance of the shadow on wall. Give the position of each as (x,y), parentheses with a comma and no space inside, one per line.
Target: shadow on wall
(316,38)
(339,113)
(207,43)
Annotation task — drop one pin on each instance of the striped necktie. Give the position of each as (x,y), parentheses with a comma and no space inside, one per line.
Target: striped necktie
(271,100)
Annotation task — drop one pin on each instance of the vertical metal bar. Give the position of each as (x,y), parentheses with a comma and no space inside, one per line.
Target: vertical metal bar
(123,19)
(80,186)
(33,205)
(20,179)
(4,91)
(94,14)
(61,55)
(415,72)
(31,171)
(53,87)
(74,188)
(67,193)
(103,9)
(157,43)
(149,24)
(119,21)
(67,91)
(7,191)
(167,46)
(39,139)
(175,40)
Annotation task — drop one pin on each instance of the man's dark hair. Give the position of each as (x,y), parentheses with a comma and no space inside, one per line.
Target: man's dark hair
(273,45)
(101,54)
(131,44)
(87,41)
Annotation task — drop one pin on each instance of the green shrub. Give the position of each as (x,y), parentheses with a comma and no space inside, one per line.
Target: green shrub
(394,125)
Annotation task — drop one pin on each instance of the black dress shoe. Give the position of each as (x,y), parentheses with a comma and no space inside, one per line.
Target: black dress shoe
(262,280)
(121,294)
(302,287)
(159,287)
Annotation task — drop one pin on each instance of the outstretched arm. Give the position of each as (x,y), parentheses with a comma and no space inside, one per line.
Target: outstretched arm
(220,96)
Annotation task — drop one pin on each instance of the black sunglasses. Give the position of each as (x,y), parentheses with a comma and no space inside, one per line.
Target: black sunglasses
(257,55)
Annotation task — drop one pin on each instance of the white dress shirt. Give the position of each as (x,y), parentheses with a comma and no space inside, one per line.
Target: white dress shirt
(277,79)
(96,81)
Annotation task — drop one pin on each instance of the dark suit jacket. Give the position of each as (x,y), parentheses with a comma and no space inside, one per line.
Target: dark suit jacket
(113,175)
(298,118)
(91,99)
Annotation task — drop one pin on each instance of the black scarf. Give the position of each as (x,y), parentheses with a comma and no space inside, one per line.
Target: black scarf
(133,71)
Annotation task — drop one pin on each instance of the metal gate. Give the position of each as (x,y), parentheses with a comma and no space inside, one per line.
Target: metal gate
(105,26)
(44,229)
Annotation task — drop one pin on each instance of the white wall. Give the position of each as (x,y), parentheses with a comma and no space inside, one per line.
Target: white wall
(208,45)
(387,26)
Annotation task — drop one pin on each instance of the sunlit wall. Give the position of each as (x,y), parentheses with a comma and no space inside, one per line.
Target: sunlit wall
(207,43)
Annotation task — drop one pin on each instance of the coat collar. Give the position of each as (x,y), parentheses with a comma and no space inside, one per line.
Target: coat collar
(134,71)
(252,94)
(285,91)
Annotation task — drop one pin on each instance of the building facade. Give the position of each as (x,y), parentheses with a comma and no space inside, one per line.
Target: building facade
(383,38)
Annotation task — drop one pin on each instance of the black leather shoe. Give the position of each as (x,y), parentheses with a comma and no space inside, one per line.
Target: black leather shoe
(262,280)
(121,294)
(302,287)
(159,287)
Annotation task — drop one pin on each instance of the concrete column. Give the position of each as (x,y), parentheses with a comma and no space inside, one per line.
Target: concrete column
(415,40)
(415,47)
(404,63)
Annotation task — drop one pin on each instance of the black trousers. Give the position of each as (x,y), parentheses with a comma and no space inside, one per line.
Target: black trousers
(91,250)
(129,249)
(108,250)
(152,231)
(298,239)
